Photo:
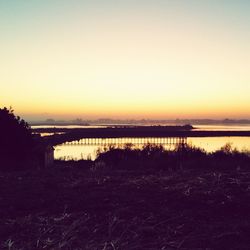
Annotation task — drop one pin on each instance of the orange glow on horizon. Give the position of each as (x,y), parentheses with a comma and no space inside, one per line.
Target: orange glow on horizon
(126,61)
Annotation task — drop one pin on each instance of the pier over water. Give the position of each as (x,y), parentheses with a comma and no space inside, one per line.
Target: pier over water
(92,136)
(163,135)
(168,141)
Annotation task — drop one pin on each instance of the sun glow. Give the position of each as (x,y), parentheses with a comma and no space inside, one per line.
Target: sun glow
(148,61)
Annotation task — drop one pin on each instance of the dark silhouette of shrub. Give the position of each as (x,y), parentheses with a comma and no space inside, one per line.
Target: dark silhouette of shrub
(150,156)
(184,156)
(15,140)
(190,154)
(227,156)
(119,157)
(154,151)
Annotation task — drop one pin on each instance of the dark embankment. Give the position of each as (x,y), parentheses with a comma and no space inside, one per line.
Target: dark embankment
(115,129)
(130,132)
(130,201)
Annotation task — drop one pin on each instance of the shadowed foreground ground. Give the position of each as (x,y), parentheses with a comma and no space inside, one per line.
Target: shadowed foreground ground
(73,208)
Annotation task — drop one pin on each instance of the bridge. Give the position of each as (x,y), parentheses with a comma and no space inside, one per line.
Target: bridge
(139,134)
(169,141)
(90,136)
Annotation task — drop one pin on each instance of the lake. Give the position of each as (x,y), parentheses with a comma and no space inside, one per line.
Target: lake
(210,144)
(218,127)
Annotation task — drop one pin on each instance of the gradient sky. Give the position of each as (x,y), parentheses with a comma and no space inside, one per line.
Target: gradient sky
(125,59)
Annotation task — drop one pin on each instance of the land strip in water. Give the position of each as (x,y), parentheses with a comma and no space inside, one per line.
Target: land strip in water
(131,132)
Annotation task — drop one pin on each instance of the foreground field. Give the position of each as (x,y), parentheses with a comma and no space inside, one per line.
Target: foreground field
(75,208)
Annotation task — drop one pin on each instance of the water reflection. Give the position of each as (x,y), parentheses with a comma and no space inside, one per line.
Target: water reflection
(216,127)
(48,134)
(222,127)
(210,144)
(67,126)
(87,148)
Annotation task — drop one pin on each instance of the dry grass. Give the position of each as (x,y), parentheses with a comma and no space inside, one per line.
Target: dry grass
(72,208)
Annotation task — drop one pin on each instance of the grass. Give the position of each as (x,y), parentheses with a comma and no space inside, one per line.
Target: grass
(90,205)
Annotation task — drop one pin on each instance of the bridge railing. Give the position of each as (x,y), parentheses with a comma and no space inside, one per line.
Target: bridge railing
(170,141)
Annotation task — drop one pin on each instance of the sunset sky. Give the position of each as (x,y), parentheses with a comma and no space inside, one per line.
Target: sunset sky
(161,59)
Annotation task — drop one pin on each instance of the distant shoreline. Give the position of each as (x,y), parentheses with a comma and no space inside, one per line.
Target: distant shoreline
(142,122)
(114,129)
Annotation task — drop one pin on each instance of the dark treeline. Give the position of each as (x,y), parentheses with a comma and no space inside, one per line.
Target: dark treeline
(184,156)
(19,148)
(16,142)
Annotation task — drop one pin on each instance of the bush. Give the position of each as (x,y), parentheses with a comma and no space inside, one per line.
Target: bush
(184,156)
(229,157)
(15,140)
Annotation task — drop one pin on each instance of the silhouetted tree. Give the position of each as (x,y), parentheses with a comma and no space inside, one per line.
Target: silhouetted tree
(15,140)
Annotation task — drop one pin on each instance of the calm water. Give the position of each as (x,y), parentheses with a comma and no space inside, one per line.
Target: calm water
(197,127)
(222,127)
(67,126)
(210,144)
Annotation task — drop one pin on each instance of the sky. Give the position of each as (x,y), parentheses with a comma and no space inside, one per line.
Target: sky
(153,59)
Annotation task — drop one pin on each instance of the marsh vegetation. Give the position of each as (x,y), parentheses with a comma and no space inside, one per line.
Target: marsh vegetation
(130,199)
